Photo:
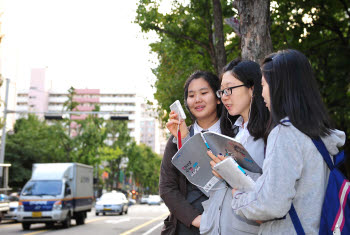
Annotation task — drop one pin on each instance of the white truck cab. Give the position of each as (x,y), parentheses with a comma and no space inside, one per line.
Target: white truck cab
(56,192)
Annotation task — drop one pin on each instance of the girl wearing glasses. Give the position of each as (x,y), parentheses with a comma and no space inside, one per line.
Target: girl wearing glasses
(294,172)
(241,95)
(183,199)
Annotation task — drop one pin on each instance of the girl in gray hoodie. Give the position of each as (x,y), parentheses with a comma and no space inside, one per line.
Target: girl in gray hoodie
(294,172)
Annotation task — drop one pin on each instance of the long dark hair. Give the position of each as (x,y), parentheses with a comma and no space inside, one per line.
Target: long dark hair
(249,73)
(294,93)
(213,82)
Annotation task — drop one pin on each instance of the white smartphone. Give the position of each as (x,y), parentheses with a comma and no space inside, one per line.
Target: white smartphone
(177,108)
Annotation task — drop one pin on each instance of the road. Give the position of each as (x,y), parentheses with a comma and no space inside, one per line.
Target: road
(140,220)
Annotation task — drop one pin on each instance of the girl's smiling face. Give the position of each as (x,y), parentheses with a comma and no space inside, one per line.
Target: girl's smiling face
(201,100)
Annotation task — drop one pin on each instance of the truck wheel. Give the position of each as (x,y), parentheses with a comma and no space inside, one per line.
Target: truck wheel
(26,226)
(66,223)
(80,218)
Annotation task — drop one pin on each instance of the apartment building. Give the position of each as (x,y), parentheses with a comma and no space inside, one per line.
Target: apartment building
(152,133)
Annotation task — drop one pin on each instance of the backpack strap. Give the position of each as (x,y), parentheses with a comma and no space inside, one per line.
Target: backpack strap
(296,222)
(324,152)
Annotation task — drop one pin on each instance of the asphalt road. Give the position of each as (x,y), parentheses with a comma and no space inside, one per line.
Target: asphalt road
(140,220)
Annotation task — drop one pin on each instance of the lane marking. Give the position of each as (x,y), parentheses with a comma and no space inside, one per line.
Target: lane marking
(41,231)
(145,224)
(117,221)
(36,232)
(8,225)
(94,220)
(154,228)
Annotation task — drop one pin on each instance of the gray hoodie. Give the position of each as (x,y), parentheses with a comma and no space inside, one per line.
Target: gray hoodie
(293,172)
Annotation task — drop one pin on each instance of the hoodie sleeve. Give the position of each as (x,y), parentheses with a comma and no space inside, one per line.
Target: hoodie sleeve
(275,189)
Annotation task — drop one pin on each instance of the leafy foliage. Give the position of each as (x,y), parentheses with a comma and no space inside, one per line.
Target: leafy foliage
(145,166)
(186,44)
(319,29)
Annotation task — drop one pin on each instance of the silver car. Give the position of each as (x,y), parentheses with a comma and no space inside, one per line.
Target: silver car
(113,202)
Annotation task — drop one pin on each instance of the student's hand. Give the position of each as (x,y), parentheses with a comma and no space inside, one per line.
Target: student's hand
(216,159)
(172,124)
(197,221)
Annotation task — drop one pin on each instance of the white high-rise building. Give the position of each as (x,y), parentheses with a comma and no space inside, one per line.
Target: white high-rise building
(151,132)
(42,101)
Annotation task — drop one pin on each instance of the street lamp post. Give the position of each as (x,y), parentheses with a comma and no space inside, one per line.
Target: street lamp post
(3,137)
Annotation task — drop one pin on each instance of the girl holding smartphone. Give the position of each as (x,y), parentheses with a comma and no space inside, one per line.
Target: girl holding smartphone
(183,199)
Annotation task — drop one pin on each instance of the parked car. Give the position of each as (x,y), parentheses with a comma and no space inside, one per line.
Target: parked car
(154,200)
(132,201)
(12,213)
(113,202)
(144,199)
(4,205)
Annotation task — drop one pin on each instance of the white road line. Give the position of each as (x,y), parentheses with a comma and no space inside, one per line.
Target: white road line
(154,228)
(117,221)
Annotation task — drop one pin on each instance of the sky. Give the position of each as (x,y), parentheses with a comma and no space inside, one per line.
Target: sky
(82,43)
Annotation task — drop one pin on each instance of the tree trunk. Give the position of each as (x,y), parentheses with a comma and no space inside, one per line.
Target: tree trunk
(254,28)
(219,39)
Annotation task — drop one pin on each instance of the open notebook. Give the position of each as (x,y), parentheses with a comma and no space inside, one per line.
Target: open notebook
(193,161)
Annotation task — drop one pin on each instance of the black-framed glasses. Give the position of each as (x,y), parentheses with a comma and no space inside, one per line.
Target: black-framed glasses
(227,91)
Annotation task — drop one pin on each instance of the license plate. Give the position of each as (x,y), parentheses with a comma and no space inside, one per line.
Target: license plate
(36,214)
(107,209)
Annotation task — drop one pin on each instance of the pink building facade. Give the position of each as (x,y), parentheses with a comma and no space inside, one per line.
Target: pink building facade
(87,99)
(38,95)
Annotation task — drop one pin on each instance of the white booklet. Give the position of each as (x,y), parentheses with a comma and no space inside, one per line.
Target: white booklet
(234,175)
(193,161)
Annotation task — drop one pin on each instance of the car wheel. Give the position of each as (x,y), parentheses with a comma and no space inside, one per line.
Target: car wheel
(26,226)
(67,222)
(126,212)
(103,213)
(97,213)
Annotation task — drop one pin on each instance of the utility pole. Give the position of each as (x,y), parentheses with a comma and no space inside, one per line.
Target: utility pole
(3,137)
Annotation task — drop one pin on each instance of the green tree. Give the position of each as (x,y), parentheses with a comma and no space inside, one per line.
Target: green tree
(67,142)
(119,137)
(33,141)
(320,29)
(107,156)
(145,165)
(90,137)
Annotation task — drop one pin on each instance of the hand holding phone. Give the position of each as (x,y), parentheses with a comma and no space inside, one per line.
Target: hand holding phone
(176,125)
(177,108)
